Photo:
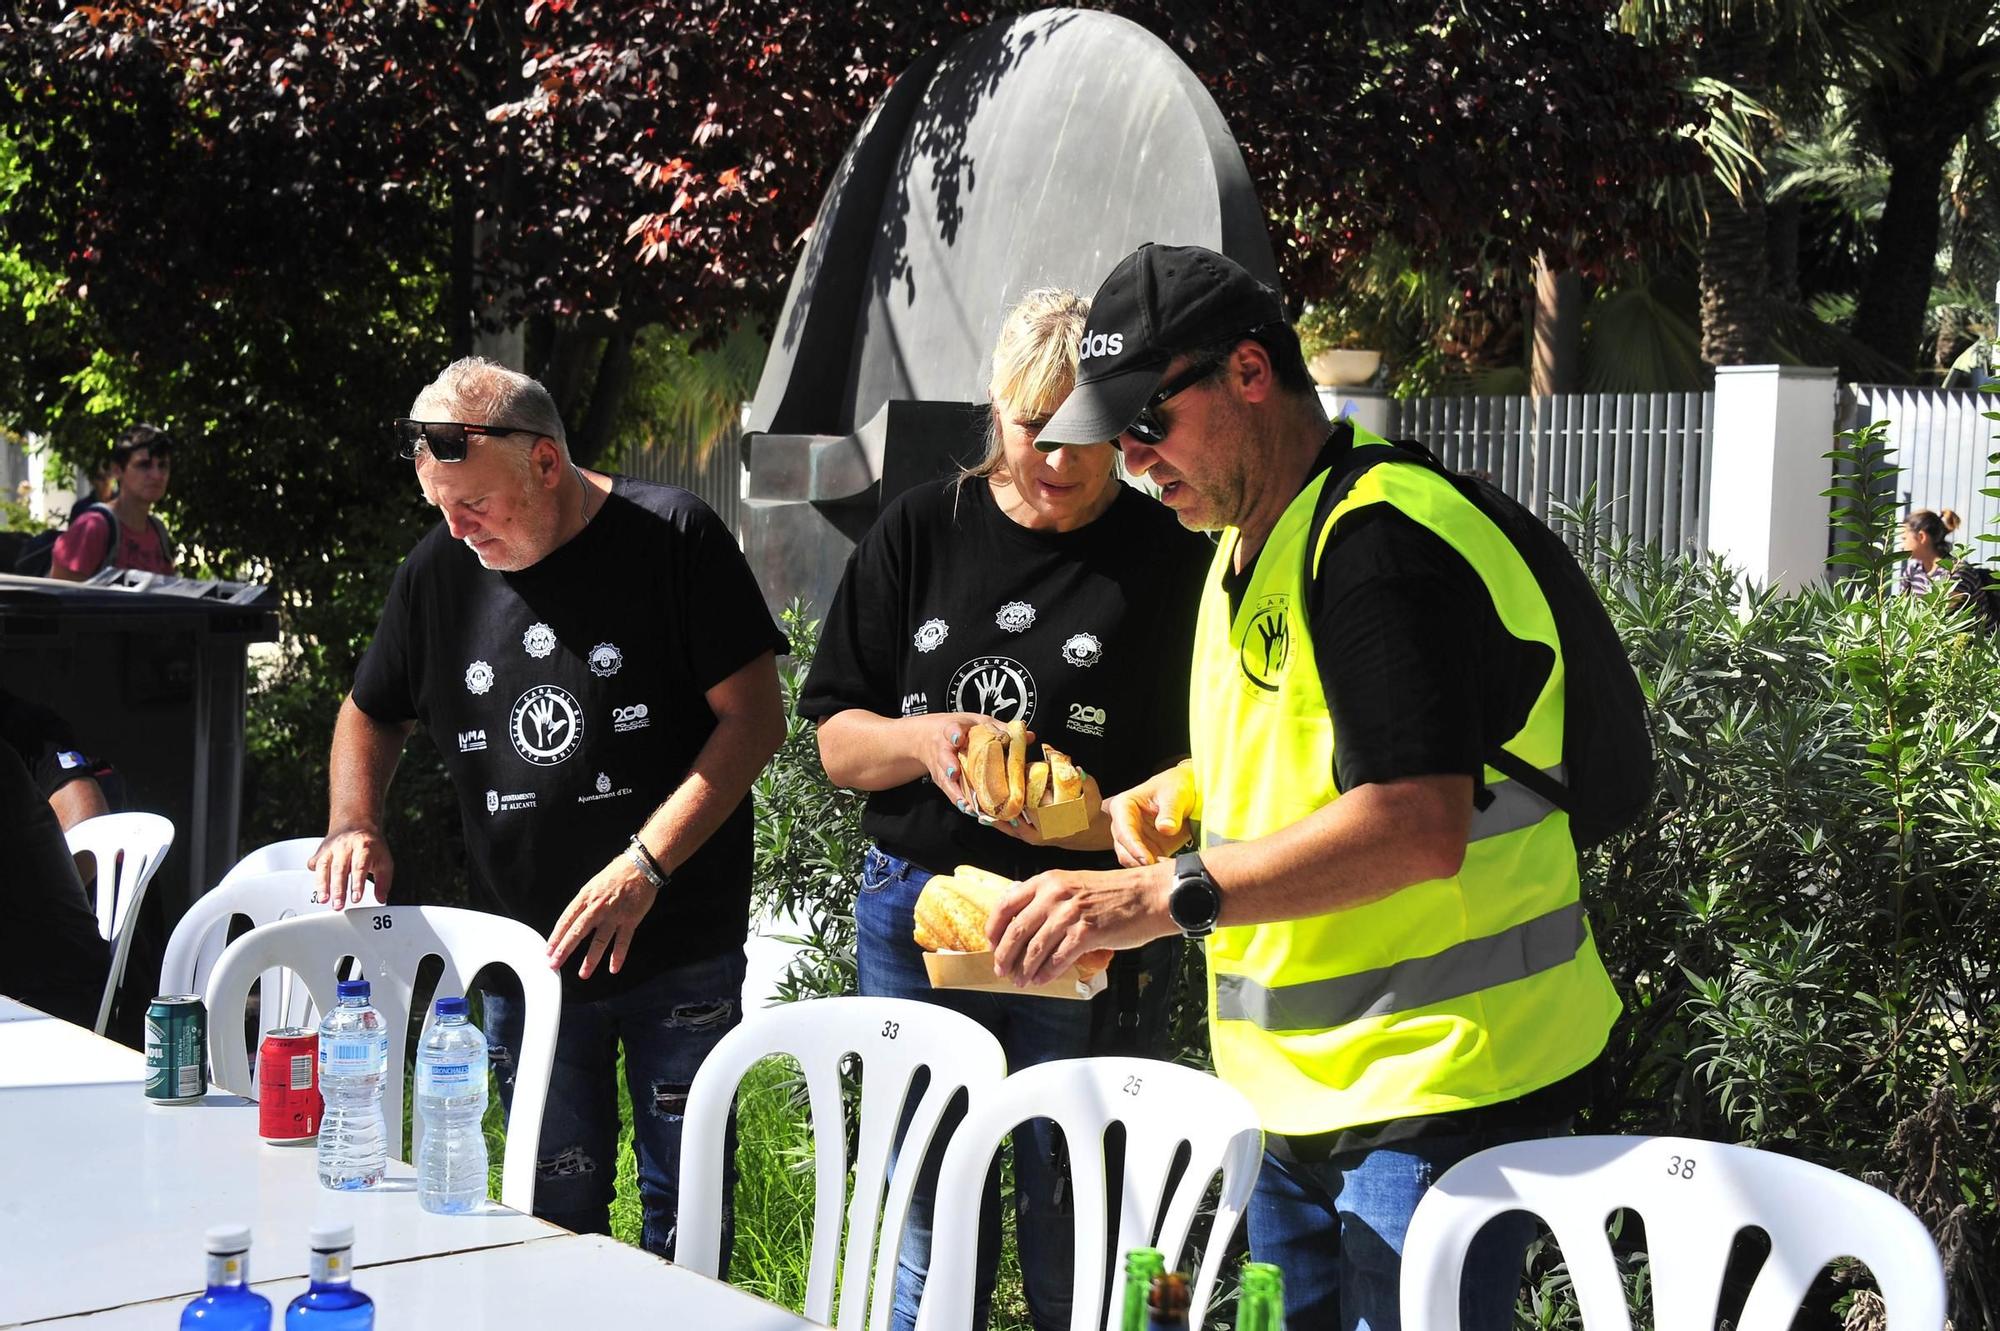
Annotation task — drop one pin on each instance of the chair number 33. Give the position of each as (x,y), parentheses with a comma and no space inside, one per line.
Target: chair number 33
(1680,1166)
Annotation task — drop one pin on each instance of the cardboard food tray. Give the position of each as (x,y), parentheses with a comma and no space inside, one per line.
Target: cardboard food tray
(974,970)
(1059,822)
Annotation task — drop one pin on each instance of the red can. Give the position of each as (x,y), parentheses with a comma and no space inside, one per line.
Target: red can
(288,1103)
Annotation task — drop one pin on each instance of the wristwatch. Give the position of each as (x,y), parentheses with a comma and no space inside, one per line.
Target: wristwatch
(1196,902)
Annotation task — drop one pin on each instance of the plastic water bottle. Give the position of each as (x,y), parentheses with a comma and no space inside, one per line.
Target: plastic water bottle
(353,1065)
(228,1304)
(451,1101)
(331,1303)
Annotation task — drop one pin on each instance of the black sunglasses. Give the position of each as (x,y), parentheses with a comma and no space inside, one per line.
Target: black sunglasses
(1147,427)
(444,440)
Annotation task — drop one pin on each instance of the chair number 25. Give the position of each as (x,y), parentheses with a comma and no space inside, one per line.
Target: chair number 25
(1680,1166)
(384,922)
(1133,1085)
(891,1029)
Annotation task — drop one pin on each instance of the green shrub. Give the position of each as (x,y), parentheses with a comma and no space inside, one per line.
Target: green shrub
(1805,925)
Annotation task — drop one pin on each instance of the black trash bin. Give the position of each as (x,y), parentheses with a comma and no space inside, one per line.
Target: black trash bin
(151,673)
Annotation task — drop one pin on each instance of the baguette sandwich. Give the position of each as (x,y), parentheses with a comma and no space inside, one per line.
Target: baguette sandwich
(1002,780)
(952,913)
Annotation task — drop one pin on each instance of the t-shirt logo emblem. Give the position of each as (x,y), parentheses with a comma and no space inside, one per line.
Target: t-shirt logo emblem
(930,635)
(492,801)
(1015,616)
(603,784)
(1083,649)
(540,640)
(478,678)
(546,725)
(1267,643)
(606,660)
(997,686)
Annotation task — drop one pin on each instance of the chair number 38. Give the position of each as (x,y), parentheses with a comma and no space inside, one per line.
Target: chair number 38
(1680,1166)
(891,1029)
(384,922)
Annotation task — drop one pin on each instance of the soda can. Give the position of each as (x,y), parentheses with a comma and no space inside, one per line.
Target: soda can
(176,1049)
(288,1103)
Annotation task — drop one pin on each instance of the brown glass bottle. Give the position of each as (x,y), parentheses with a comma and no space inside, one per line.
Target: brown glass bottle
(1167,1305)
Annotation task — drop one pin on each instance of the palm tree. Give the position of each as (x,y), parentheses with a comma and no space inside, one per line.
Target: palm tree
(1923,74)
(1749,55)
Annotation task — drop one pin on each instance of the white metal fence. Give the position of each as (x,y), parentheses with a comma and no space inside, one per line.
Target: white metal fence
(1646,454)
(718,479)
(1942,441)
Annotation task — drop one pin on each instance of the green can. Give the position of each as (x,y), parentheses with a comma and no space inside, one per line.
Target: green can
(176,1049)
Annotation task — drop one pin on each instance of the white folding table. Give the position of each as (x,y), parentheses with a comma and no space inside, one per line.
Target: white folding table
(104,1197)
(569,1281)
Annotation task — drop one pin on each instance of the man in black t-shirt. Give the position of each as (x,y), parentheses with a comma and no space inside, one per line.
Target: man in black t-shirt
(1402,974)
(593,659)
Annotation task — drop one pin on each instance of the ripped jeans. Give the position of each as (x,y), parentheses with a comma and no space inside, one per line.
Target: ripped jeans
(667,1025)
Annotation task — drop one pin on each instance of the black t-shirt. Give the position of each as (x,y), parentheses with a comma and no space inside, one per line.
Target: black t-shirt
(1422,679)
(45,742)
(948,605)
(568,700)
(1419,673)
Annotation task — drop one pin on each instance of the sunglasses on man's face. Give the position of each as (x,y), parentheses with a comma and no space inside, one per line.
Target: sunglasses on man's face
(1147,427)
(445,441)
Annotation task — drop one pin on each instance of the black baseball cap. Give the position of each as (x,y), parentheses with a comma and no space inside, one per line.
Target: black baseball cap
(1160,300)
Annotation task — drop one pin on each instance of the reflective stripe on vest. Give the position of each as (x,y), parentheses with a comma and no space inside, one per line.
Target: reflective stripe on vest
(1442,995)
(1478,963)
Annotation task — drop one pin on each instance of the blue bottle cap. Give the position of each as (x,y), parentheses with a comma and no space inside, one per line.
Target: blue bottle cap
(451,1007)
(353,988)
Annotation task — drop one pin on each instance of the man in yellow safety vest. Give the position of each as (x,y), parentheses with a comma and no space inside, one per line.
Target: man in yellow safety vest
(1400,970)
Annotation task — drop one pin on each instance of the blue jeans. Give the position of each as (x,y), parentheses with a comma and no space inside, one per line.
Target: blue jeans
(1336,1229)
(1031,1031)
(668,1025)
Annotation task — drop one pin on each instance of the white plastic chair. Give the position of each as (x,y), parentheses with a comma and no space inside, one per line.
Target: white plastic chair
(128,848)
(894,1038)
(261,898)
(1695,1197)
(274,857)
(389,943)
(1162,1106)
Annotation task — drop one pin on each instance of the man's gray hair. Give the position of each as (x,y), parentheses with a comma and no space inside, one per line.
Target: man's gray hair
(485,392)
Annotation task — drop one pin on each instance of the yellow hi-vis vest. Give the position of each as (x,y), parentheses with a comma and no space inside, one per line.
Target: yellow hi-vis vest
(1444,995)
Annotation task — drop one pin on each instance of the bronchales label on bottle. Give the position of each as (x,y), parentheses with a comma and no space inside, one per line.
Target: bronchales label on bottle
(444,1078)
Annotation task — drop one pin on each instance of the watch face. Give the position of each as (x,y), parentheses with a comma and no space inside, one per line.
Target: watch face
(1195,903)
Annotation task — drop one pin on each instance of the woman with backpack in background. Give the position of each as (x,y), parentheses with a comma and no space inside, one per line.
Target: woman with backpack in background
(123,533)
(1926,539)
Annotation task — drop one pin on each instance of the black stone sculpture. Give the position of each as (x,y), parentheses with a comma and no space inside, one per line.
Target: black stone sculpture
(1037,151)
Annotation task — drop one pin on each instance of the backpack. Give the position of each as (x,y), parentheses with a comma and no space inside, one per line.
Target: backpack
(1607,744)
(1978,586)
(38,555)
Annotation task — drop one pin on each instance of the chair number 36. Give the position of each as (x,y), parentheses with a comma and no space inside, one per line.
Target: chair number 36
(1133,1085)
(1680,1166)
(891,1029)
(385,922)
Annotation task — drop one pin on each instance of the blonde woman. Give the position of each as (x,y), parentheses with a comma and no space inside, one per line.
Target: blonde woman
(1011,592)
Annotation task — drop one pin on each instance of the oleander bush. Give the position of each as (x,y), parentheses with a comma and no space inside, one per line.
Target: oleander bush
(1806,924)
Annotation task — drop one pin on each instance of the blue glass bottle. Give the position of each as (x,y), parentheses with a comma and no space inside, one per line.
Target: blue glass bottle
(228,1304)
(331,1303)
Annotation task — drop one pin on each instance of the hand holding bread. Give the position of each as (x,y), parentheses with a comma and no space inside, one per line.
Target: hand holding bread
(952,914)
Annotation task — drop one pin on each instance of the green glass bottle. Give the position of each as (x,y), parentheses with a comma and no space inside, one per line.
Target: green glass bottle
(1260,1306)
(1141,1265)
